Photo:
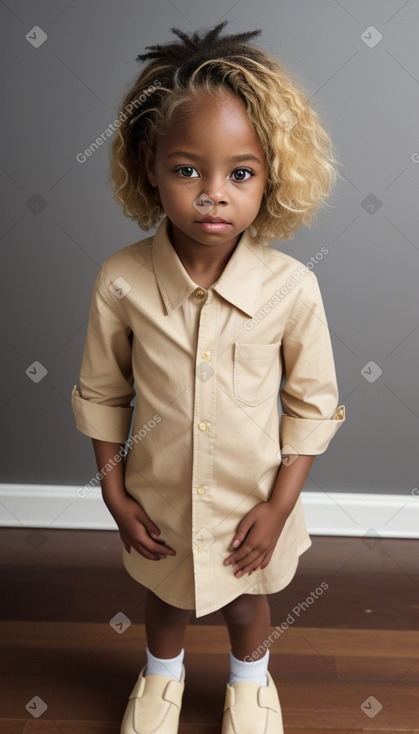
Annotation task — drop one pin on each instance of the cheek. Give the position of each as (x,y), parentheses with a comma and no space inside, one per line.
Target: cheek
(180,191)
(175,196)
(170,182)
(255,195)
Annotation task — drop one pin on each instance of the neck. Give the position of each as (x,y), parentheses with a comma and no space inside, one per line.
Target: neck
(203,263)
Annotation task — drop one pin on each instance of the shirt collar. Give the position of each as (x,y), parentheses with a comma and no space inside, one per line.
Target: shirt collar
(239,283)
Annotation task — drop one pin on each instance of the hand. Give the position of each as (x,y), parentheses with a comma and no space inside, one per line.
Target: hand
(137,530)
(256,537)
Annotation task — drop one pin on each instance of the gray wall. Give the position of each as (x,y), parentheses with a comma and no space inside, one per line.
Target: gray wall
(59,97)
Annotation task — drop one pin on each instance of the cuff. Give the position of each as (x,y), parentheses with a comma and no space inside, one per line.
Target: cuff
(307,436)
(103,422)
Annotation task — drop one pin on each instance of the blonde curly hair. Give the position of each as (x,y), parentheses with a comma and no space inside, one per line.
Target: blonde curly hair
(301,168)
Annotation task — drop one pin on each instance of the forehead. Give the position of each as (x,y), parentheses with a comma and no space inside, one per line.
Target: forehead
(209,120)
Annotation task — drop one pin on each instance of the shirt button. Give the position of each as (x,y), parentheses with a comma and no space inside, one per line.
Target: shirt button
(340,413)
(201,490)
(203,425)
(206,356)
(200,292)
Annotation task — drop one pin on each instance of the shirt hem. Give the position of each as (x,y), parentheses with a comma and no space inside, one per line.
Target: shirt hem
(260,588)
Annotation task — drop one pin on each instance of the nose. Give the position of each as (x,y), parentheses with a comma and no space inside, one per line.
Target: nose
(215,188)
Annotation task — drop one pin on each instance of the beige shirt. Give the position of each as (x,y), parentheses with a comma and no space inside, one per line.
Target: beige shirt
(206,369)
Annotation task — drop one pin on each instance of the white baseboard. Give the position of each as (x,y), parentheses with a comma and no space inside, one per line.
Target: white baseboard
(335,513)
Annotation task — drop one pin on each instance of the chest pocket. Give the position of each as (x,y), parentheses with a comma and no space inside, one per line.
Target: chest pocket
(256,372)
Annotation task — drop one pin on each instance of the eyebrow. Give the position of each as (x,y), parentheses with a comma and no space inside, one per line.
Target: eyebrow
(233,158)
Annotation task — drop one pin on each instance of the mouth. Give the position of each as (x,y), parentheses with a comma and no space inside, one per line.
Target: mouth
(213,220)
(214,224)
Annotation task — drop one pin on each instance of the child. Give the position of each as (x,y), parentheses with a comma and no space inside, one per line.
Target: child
(205,319)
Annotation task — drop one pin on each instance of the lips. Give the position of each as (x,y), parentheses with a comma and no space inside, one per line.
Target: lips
(214,220)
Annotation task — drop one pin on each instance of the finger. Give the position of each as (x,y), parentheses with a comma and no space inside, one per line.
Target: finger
(266,560)
(147,522)
(156,551)
(249,561)
(142,547)
(248,568)
(241,531)
(161,548)
(155,546)
(238,555)
(152,529)
(125,543)
(146,553)
(230,560)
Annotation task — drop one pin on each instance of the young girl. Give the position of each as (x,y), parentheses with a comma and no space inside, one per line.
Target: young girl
(210,324)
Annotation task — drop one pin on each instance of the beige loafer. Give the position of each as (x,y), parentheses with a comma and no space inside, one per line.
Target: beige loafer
(250,708)
(154,705)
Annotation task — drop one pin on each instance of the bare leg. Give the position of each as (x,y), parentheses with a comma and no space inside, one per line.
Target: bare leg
(165,626)
(248,619)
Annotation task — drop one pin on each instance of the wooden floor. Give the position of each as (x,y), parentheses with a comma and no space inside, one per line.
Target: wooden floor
(348,663)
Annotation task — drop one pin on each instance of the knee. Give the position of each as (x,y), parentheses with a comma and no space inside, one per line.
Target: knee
(244,610)
(166,612)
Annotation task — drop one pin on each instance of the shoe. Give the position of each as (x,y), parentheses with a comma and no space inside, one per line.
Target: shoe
(250,708)
(154,705)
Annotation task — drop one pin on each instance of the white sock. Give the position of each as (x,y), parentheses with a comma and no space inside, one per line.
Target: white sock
(255,671)
(166,666)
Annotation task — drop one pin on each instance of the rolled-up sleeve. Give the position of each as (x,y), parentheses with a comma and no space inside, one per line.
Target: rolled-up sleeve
(101,401)
(309,397)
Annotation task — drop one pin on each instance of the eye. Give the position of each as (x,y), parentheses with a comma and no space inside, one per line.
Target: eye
(188,169)
(243,171)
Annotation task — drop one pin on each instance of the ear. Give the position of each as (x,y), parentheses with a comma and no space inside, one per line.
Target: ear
(148,158)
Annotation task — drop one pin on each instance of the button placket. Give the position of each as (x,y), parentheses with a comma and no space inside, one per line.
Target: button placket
(203,450)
